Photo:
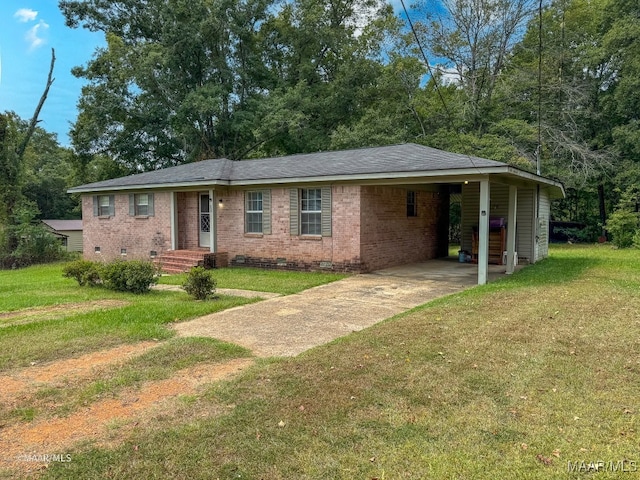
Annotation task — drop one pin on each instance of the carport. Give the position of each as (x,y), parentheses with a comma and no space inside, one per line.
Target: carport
(496,197)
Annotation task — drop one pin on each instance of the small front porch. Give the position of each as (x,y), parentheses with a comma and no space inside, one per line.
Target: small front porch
(193,221)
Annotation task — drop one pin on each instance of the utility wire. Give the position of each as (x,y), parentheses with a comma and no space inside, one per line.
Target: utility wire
(426,60)
(435,81)
(539,146)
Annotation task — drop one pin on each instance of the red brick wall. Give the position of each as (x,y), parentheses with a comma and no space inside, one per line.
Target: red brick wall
(370,229)
(188,220)
(342,247)
(139,235)
(388,236)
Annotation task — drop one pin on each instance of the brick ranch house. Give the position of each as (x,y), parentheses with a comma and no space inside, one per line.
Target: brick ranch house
(353,210)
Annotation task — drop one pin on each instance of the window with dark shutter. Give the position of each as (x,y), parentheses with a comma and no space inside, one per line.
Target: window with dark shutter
(104,206)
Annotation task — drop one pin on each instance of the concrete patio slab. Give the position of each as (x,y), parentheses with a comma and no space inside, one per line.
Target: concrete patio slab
(289,325)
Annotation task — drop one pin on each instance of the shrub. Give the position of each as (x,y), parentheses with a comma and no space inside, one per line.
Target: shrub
(84,272)
(134,276)
(622,226)
(200,283)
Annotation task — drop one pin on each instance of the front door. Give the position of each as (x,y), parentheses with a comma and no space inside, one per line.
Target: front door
(205,220)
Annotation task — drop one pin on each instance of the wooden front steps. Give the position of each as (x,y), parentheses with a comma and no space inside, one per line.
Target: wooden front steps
(180,261)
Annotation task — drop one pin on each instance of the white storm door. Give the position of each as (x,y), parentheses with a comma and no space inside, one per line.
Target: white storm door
(205,220)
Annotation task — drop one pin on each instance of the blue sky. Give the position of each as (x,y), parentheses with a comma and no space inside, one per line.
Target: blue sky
(28,31)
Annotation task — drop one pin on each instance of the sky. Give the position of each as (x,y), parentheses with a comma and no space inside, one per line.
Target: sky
(29,29)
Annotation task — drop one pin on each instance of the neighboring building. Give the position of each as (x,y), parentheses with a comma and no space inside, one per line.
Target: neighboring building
(353,210)
(68,231)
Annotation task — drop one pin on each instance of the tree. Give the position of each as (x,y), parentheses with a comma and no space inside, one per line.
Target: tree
(474,39)
(186,80)
(621,58)
(12,151)
(173,83)
(21,242)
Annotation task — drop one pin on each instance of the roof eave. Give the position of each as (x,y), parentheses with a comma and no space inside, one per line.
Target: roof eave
(556,187)
(448,175)
(147,186)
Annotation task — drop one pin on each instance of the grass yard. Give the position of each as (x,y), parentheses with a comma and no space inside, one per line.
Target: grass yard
(532,377)
(40,321)
(261,280)
(44,316)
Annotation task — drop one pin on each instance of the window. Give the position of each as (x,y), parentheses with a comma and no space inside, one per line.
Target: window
(311,211)
(141,204)
(253,212)
(412,205)
(104,205)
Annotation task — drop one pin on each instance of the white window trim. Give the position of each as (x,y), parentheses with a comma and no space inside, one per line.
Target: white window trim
(248,201)
(315,212)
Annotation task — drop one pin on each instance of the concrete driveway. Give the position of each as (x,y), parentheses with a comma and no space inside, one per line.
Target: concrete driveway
(289,325)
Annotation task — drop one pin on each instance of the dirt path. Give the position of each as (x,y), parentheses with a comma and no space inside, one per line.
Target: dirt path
(21,442)
(55,373)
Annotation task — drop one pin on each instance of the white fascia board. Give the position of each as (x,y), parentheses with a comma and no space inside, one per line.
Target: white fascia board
(152,186)
(539,179)
(426,176)
(434,175)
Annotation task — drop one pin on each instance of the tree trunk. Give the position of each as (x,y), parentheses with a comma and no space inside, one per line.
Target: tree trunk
(603,211)
(34,121)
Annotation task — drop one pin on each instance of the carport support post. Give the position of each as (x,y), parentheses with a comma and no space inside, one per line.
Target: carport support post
(483,233)
(511,229)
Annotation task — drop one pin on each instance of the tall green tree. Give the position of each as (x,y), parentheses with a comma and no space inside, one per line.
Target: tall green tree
(174,82)
(621,59)
(326,57)
(186,80)
(471,40)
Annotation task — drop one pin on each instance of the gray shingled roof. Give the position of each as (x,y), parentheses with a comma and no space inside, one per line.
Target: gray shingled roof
(59,225)
(365,161)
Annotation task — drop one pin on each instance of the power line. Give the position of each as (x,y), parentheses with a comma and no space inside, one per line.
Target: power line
(435,81)
(426,60)
(539,146)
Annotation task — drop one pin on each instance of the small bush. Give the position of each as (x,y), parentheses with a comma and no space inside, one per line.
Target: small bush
(622,226)
(84,272)
(200,283)
(134,276)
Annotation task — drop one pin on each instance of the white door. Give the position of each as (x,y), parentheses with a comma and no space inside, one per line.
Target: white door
(205,220)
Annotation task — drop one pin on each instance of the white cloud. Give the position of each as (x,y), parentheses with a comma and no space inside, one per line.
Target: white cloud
(26,15)
(33,35)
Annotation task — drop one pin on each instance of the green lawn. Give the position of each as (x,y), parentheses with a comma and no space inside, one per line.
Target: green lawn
(261,280)
(52,331)
(514,379)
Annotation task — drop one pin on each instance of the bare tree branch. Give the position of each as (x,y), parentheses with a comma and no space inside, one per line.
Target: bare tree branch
(34,120)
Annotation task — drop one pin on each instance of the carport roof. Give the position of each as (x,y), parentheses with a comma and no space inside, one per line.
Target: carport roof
(408,161)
